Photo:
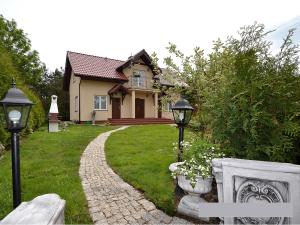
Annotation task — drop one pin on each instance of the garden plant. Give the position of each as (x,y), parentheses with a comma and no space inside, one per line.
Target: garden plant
(247,97)
(197,158)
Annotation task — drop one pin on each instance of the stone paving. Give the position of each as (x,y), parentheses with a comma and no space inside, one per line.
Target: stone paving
(110,199)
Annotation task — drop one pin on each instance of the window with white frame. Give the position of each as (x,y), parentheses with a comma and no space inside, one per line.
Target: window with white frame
(138,78)
(168,106)
(100,102)
(76,103)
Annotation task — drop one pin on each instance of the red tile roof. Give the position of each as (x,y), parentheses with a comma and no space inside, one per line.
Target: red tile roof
(95,66)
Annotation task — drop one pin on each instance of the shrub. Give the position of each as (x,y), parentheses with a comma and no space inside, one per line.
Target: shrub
(248,98)
(255,112)
(7,72)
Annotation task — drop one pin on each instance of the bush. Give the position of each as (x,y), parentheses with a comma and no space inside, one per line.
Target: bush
(195,126)
(256,109)
(248,99)
(7,73)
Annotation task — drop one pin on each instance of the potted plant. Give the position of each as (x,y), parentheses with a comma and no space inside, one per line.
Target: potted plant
(197,164)
(194,174)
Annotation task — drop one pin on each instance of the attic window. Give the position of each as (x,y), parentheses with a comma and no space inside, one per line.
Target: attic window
(138,73)
(138,79)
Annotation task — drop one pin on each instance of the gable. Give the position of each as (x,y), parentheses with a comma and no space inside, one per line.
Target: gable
(141,58)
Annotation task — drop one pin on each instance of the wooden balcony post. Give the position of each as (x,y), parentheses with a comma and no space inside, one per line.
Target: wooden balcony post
(133,104)
(155,104)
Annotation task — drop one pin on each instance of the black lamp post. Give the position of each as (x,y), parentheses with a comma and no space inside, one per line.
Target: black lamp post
(182,112)
(16,109)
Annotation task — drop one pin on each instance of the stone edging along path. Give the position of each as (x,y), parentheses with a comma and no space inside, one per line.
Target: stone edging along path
(110,199)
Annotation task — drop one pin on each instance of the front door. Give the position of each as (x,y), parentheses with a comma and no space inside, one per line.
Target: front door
(116,108)
(139,108)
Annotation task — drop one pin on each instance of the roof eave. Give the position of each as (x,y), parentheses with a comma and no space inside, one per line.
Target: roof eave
(90,77)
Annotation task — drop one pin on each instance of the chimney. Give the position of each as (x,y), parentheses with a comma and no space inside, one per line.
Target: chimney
(53,113)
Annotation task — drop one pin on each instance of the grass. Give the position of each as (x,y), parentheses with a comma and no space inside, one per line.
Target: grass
(50,164)
(141,155)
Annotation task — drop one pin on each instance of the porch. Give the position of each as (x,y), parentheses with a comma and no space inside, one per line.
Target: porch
(140,121)
(136,103)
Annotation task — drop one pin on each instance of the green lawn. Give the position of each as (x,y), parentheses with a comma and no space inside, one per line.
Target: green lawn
(141,155)
(50,164)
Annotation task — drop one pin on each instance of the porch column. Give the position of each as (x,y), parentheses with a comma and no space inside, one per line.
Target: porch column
(133,104)
(156,105)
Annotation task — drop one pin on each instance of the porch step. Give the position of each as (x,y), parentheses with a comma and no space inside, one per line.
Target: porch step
(131,121)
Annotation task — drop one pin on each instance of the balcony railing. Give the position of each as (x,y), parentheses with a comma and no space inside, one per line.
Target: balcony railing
(139,83)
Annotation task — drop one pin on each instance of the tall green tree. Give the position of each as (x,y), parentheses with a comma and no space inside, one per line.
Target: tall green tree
(255,112)
(52,84)
(18,61)
(26,60)
(248,99)
(7,72)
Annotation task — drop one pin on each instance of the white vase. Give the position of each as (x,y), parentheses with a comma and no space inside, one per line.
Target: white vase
(202,186)
(189,204)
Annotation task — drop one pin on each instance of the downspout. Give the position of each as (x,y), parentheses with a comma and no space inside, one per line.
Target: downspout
(79,101)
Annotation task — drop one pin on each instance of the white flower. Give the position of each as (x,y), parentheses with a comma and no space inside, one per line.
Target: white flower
(198,160)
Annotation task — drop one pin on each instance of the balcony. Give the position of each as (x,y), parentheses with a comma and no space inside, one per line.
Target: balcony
(139,82)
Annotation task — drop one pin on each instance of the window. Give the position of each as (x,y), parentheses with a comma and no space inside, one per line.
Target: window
(168,107)
(138,78)
(76,103)
(100,102)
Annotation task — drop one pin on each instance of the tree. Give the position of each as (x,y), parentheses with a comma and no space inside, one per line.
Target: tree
(18,45)
(248,99)
(18,61)
(52,84)
(256,110)
(7,72)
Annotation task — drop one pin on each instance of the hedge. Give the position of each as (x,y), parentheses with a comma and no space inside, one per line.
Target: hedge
(7,72)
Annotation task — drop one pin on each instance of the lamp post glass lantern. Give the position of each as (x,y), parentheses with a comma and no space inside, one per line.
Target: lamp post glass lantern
(182,112)
(16,110)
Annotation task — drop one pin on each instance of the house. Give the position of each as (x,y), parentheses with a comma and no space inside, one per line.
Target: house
(116,91)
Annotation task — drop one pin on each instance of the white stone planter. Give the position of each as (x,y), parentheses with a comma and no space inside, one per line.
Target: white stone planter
(189,204)
(202,186)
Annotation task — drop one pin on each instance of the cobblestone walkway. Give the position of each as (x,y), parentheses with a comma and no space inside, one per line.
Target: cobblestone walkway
(110,199)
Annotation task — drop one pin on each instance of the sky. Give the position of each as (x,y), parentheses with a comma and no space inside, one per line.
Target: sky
(119,28)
